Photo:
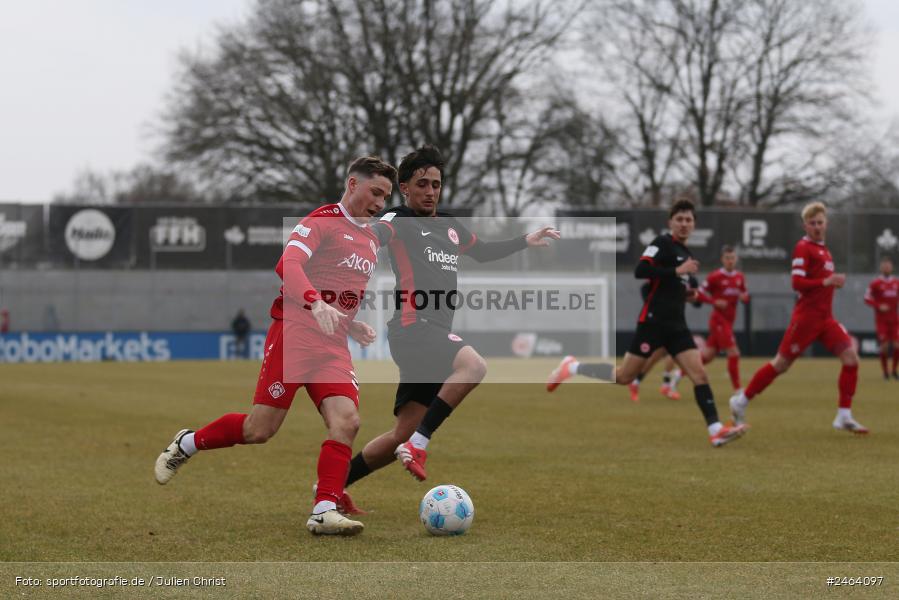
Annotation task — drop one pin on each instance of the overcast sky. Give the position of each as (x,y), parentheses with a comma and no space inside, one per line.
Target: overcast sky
(80,81)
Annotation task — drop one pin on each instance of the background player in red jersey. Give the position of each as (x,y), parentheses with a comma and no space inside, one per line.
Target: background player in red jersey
(814,280)
(723,289)
(883,297)
(332,250)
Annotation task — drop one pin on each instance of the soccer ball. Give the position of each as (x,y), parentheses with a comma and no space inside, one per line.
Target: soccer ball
(446,510)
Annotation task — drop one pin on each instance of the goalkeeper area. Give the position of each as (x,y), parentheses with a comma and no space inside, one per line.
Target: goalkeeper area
(578,493)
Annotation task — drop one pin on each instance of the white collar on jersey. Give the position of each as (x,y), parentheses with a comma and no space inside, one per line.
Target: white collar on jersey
(352,219)
(808,239)
(726,272)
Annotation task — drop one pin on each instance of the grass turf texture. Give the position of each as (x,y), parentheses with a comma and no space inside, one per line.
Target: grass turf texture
(578,475)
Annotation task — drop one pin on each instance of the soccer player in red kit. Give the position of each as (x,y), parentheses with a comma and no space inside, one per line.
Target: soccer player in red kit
(883,297)
(723,289)
(815,281)
(330,256)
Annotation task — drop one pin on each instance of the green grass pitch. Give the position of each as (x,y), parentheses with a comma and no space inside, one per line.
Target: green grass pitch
(575,492)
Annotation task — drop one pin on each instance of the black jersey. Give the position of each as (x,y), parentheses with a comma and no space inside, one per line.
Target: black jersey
(692,283)
(425,256)
(667,293)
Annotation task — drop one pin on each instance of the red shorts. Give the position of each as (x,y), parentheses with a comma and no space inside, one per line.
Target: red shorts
(887,330)
(325,375)
(721,334)
(802,332)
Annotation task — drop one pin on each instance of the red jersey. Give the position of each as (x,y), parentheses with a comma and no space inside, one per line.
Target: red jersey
(723,285)
(812,264)
(329,256)
(883,290)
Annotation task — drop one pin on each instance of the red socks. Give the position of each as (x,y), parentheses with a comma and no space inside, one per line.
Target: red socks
(848,379)
(762,379)
(333,466)
(221,433)
(733,368)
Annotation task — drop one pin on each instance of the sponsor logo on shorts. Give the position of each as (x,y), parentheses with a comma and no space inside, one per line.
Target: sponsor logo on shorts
(454,338)
(276,390)
(644,347)
(794,348)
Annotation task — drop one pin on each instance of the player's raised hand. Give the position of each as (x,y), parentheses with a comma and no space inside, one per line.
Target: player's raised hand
(836,280)
(362,333)
(542,236)
(327,317)
(691,265)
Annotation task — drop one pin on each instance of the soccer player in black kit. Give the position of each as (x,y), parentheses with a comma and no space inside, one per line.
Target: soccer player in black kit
(668,264)
(437,368)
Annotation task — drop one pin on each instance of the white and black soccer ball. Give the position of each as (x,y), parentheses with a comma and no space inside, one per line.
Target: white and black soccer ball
(446,510)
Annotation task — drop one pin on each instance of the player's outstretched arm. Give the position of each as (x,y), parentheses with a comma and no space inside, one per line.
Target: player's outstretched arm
(483,251)
(542,236)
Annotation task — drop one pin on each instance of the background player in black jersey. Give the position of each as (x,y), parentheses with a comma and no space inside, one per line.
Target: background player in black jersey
(668,264)
(437,368)
(570,366)
(671,375)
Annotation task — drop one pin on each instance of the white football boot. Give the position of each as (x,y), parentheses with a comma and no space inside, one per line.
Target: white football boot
(843,423)
(171,459)
(331,522)
(738,403)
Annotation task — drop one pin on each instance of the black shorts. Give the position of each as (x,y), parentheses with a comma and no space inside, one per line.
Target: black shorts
(673,337)
(424,354)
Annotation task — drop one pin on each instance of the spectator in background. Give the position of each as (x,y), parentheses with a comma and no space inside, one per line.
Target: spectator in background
(241,328)
(51,320)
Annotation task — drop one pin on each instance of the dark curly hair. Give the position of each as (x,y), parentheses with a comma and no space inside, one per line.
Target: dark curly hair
(682,205)
(422,158)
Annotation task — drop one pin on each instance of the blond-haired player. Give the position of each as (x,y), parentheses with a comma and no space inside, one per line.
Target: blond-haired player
(814,281)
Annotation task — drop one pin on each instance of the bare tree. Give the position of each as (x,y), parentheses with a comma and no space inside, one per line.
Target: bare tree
(290,96)
(633,59)
(741,99)
(805,76)
(144,184)
(865,170)
(265,116)
(563,157)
